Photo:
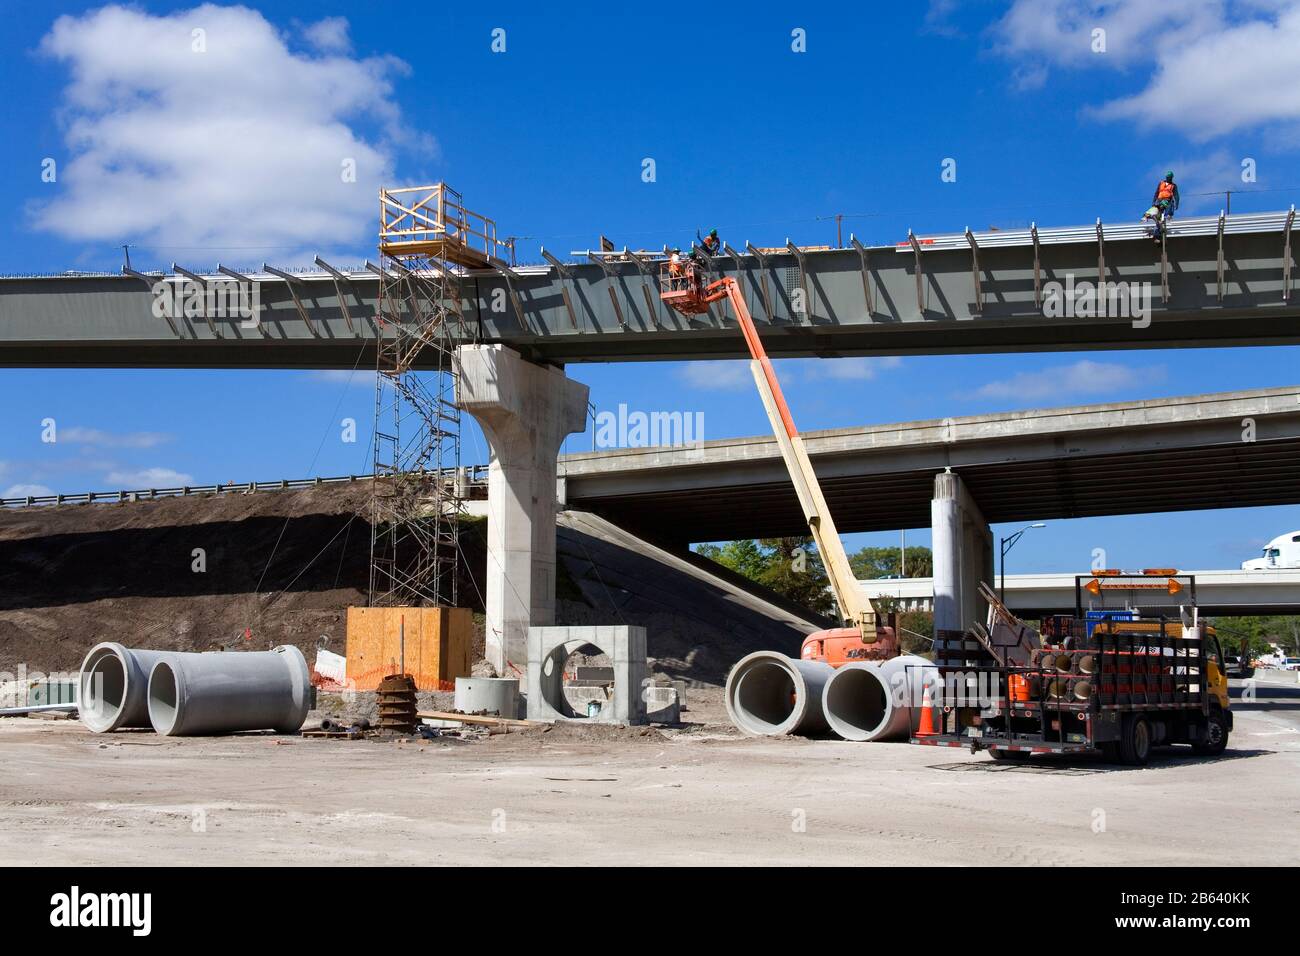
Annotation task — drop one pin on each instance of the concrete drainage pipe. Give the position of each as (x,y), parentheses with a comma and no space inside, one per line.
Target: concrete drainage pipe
(878,700)
(225,692)
(113,689)
(769,694)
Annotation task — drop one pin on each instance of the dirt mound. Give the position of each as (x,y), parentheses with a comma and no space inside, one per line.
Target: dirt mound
(257,570)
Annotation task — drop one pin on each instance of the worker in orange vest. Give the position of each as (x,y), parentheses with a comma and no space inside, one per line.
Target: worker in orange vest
(710,243)
(675,263)
(1164,202)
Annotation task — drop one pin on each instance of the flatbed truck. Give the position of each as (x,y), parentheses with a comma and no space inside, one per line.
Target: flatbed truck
(1111,681)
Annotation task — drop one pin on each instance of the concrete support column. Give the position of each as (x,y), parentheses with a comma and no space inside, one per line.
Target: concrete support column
(963,554)
(525,411)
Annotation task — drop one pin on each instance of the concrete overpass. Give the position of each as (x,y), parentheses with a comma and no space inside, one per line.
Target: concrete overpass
(1225,450)
(1224,593)
(1218,281)
(1168,454)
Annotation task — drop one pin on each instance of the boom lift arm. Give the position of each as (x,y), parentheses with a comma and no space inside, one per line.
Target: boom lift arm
(683,291)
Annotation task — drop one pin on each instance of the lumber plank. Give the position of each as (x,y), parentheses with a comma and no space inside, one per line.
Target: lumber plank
(484,719)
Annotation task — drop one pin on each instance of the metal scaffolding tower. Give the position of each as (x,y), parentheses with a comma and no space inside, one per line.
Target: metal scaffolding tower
(426,238)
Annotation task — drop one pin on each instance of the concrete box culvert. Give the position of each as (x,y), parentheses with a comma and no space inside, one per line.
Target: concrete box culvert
(878,700)
(769,694)
(113,686)
(227,692)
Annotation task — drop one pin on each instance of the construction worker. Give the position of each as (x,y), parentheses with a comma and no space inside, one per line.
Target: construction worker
(675,263)
(1164,203)
(711,244)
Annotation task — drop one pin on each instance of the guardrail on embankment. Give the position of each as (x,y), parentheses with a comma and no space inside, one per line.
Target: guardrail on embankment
(471,478)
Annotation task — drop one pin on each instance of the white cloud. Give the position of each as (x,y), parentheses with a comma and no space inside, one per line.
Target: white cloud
(717,375)
(860,369)
(148,478)
(1084,378)
(1241,77)
(735,374)
(329,35)
(26,491)
(938,18)
(240,145)
(1219,65)
(76,435)
(1061,32)
(341,376)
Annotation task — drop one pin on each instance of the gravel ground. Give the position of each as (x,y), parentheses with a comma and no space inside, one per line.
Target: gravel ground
(591,795)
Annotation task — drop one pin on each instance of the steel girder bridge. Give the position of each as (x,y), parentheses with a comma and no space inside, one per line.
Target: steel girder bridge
(1214,281)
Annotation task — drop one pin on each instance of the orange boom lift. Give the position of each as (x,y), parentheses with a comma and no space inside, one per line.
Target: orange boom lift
(863,636)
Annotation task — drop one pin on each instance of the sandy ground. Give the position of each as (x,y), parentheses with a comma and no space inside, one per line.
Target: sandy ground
(587,795)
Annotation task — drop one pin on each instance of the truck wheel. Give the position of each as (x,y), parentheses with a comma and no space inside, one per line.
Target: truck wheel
(1135,741)
(1214,737)
(1009,756)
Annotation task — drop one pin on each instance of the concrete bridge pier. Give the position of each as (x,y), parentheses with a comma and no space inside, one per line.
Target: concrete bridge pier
(963,554)
(525,411)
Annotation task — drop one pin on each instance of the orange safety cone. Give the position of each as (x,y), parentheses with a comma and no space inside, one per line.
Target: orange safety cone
(927,727)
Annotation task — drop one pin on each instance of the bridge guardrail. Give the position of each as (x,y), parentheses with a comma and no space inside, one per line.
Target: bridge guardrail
(473,476)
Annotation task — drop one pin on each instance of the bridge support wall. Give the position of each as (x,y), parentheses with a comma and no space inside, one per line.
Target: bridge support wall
(525,411)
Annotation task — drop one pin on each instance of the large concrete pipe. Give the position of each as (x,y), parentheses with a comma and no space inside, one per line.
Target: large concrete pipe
(878,700)
(114,686)
(488,695)
(769,694)
(227,691)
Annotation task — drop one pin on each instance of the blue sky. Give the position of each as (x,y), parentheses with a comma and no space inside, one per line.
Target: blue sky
(233,156)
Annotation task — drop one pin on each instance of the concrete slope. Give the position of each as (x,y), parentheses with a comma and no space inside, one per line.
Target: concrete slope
(698,623)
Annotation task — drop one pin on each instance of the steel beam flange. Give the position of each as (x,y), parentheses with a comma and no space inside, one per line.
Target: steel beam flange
(292,282)
(1222,220)
(763,270)
(504,270)
(199,280)
(864,259)
(1101,255)
(1038,267)
(566,276)
(610,275)
(152,281)
(248,282)
(650,287)
(1286,255)
(975,269)
(339,278)
(803,278)
(916,251)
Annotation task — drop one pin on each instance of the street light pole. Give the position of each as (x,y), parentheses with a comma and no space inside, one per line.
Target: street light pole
(1006,545)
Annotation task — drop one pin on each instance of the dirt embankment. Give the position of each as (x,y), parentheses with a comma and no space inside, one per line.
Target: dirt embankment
(197,573)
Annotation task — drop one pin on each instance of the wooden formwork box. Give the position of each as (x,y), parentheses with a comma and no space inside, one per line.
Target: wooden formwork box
(438,644)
